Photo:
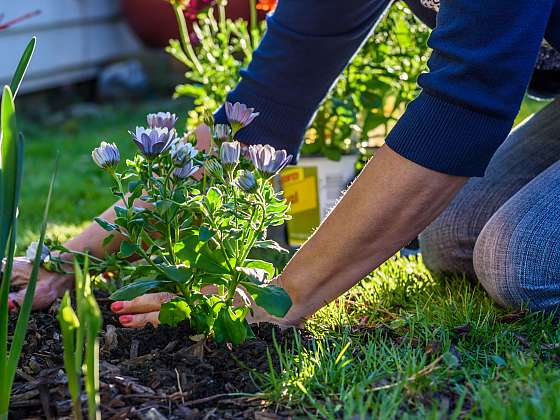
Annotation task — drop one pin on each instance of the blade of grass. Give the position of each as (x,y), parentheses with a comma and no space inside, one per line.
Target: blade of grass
(10,180)
(25,310)
(22,66)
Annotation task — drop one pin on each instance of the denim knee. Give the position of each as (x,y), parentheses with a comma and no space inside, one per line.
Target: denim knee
(447,243)
(517,260)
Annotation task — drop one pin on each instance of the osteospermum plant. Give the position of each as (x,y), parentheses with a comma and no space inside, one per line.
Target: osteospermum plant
(190,219)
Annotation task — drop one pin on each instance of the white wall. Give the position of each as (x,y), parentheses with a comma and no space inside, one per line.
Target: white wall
(74,38)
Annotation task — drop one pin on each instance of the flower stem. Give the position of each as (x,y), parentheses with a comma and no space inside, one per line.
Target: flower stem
(185,38)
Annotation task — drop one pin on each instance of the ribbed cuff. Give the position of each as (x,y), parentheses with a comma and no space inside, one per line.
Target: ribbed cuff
(446,137)
(281,126)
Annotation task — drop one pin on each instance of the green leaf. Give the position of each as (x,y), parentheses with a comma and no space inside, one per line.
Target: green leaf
(174,312)
(205,234)
(255,275)
(68,324)
(94,323)
(451,360)
(9,162)
(271,298)
(230,325)
(108,240)
(263,265)
(197,254)
(120,211)
(133,185)
(213,199)
(25,310)
(128,249)
(500,362)
(138,288)
(203,315)
(271,245)
(163,206)
(108,226)
(179,274)
(22,66)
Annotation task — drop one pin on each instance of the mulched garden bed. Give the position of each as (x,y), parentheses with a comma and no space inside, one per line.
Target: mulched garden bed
(149,374)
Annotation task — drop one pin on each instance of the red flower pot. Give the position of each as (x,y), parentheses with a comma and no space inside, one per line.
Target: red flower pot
(154,23)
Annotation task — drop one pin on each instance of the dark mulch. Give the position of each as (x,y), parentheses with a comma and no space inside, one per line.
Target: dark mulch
(150,374)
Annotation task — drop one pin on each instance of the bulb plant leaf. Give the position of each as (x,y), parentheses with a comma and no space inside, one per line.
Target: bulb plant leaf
(11,175)
(22,66)
(80,330)
(11,165)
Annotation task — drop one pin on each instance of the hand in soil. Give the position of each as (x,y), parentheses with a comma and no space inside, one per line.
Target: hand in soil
(50,286)
(144,310)
(141,311)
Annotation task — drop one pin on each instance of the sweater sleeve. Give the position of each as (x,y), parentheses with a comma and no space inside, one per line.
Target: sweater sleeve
(306,46)
(483,56)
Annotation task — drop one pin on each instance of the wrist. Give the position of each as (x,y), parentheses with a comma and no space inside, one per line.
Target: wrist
(298,312)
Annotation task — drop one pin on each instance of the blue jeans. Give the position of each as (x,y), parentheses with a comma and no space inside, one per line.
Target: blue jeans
(505,228)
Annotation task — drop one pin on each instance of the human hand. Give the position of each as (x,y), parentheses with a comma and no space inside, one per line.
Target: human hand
(50,286)
(144,310)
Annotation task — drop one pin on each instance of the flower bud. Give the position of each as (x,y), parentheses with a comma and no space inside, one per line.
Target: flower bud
(214,168)
(247,181)
(106,155)
(32,250)
(182,152)
(229,153)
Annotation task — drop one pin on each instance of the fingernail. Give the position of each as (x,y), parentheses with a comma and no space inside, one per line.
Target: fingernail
(11,304)
(117,306)
(125,319)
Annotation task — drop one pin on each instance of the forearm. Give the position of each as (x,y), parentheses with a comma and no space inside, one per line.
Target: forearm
(91,238)
(390,203)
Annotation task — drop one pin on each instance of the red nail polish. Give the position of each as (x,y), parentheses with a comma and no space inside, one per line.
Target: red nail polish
(125,319)
(11,304)
(117,306)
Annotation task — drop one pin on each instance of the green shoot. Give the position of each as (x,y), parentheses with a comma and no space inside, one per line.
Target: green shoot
(77,330)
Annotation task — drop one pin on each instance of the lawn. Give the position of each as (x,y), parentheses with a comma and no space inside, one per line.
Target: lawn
(404,342)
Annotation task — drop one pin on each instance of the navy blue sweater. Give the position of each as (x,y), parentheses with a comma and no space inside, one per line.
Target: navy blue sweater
(483,56)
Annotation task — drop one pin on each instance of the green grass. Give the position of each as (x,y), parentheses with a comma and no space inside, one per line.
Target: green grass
(404,343)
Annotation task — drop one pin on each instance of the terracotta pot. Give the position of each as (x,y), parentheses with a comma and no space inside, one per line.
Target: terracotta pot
(153,21)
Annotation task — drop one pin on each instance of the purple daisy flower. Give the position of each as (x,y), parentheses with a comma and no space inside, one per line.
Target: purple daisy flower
(239,115)
(267,160)
(153,141)
(162,120)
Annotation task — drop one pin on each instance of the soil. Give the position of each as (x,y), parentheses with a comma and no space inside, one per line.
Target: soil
(149,374)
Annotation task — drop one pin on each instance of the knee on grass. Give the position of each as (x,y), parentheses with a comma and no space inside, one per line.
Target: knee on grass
(514,261)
